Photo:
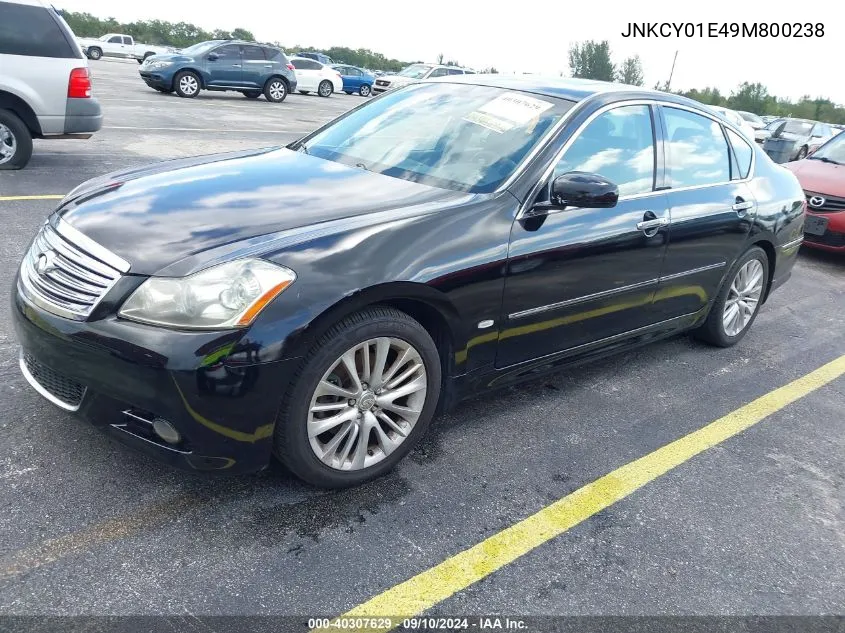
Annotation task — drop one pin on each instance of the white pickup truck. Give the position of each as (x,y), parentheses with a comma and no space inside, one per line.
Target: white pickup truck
(120,45)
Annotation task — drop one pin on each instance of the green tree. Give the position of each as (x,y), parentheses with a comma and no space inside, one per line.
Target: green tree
(591,60)
(749,97)
(631,71)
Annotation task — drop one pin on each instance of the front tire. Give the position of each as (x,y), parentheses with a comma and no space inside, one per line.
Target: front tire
(304,92)
(275,90)
(94,53)
(15,142)
(186,84)
(364,91)
(738,302)
(363,397)
(325,89)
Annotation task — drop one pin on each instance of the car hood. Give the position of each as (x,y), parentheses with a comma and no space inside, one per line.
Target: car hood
(169,57)
(155,216)
(819,177)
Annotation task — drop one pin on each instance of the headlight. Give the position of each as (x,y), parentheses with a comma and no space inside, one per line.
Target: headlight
(158,65)
(226,296)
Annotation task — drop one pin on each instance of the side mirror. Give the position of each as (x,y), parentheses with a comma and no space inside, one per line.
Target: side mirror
(212,57)
(583,189)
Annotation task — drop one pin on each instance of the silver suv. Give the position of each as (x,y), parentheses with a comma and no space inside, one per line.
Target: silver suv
(45,87)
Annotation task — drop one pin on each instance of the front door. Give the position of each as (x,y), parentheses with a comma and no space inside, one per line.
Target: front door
(711,206)
(224,66)
(582,275)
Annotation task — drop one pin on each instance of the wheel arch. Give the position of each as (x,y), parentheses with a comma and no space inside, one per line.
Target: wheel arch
(196,71)
(771,255)
(18,106)
(430,307)
(278,76)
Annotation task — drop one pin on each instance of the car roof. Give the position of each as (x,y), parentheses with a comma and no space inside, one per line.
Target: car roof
(567,88)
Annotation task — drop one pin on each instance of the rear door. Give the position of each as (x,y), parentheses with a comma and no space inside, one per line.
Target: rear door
(711,205)
(255,66)
(225,68)
(579,275)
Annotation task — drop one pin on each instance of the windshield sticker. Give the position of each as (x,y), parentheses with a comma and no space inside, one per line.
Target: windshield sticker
(508,111)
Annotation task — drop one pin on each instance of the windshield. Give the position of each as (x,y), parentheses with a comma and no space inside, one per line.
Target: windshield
(199,49)
(461,137)
(800,128)
(751,117)
(833,150)
(415,71)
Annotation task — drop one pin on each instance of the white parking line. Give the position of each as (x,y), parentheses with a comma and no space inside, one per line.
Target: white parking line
(195,129)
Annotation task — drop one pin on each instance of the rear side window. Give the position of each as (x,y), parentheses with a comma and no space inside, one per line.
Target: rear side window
(275,55)
(32,31)
(743,153)
(253,52)
(306,64)
(127,40)
(698,150)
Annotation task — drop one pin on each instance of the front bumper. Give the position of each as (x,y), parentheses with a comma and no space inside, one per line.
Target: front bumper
(157,79)
(120,376)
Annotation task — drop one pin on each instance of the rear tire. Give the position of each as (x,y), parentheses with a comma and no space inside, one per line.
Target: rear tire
(252,94)
(275,90)
(15,141)
(293,444)
(325,89)
(739,296)
(186,84)
(304,92)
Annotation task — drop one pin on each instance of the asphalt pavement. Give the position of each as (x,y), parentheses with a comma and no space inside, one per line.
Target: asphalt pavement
(754,525)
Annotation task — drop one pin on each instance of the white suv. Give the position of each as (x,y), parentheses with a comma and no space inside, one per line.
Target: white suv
(417,72)
(45,87)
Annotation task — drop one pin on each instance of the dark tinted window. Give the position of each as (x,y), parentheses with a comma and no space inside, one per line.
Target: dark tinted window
(116,40)
(353,72)
(127,39)
(275,55)
(455,71)
(306,64)
(439,72)
(230,52)
(253,53)
(32,31)
(619,145)
(743,153)
(698,151)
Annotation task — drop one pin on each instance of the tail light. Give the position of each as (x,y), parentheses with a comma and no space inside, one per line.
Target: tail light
(291,66)
(79,84)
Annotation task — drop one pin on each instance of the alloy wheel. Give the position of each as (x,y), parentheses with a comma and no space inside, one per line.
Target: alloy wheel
(367,403)
(325,89)
(743,297)
(188,84)
(365,91)
(8,144)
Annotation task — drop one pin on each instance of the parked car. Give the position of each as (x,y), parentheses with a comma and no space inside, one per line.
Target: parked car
(316,77)
(752,119)
(734,117)
(768,118)
(120,45)
(764,133)
(45,86)
(246,67)
(822,177)
(793,139)
(449,238)
(319,57)
(355,79)
(416,72)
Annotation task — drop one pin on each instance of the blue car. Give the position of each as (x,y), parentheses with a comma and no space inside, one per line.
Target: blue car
(355,79)
(245,67)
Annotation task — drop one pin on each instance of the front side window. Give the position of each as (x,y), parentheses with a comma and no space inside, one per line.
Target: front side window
(230,52)
(743,153)
(306,64)
(697,149)
(438,72)
(619,145)
(455,71)
(32,31)
(460,137)
(798,127)
(116,39)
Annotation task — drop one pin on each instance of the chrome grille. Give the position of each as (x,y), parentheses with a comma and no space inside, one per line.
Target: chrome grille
(831,203)
(67,273)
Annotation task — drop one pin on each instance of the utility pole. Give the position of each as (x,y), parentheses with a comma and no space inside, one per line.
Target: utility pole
(672,72)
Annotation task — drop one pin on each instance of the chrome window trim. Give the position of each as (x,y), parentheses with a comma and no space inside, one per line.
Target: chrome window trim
(41,390)
(543,181)
(613,291)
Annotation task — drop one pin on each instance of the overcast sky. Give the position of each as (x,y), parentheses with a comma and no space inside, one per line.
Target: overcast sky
(534,35)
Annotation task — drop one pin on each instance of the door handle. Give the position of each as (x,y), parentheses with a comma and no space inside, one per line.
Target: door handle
(268,65)
(655,223)
(236,65)
(743,206)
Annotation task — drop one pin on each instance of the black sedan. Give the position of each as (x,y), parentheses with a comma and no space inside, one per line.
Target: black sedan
(322,301)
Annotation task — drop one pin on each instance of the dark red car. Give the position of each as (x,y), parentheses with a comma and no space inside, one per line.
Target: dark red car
(822,177)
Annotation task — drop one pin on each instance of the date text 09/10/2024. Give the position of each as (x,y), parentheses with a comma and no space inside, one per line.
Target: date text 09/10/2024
(417,624)
(723,29)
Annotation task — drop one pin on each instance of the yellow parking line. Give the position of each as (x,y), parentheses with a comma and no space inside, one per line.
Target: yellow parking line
(438,583)
(47,196)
